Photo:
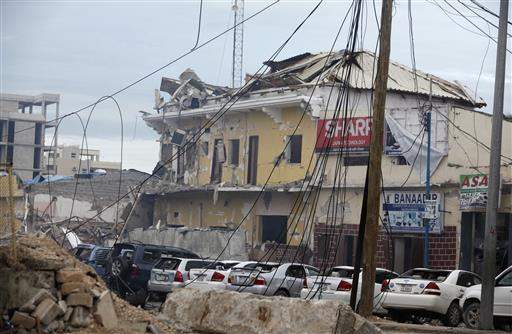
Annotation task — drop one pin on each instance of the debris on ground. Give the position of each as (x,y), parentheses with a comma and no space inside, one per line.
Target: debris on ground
(232,312)
(49,291)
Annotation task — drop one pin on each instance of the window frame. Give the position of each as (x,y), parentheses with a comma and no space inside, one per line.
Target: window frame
(231,155)
(293,154)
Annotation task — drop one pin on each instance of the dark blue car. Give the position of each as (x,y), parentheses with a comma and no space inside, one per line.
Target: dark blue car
(93,255)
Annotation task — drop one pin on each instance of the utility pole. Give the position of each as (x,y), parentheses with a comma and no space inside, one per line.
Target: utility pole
(374,174)
(489,267)
(426,220)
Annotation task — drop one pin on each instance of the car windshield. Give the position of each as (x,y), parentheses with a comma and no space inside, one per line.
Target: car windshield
(229,265)
(84,253)
(263,267)
(168,264)
(341,272)
(431,275)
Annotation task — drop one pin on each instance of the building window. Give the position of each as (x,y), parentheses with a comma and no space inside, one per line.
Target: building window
(234,152)
(38,134)
(294,149)
(10,132)
(219,156)
(37,158)
(73,155)
(204,147)
(274,229)
(2,131)
(357,160)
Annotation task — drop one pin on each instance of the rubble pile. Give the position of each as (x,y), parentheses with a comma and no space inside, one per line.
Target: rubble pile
(49,291)
(233,312)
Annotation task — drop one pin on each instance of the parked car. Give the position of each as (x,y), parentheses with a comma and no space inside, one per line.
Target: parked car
(470,302)
(95,256)
(171,273)
(215,278)
(428,293)
(335,287)
(271,279)
(129,268)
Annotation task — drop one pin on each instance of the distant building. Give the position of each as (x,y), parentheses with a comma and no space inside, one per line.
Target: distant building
(69,160)
(23,123)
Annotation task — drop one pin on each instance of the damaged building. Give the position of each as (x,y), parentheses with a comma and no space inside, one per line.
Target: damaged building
(88,202)
(249,166)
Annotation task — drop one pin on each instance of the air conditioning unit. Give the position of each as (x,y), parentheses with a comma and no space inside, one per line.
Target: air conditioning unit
(178,137)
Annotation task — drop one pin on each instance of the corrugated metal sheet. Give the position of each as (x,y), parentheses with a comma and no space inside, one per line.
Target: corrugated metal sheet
(363,67)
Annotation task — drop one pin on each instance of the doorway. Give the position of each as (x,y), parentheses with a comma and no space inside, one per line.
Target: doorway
(408,253)
(274,229)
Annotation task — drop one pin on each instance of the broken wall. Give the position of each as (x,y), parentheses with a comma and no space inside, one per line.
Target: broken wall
(206,242)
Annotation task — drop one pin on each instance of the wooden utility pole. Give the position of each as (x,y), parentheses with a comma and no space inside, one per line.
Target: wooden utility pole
(374,175)
(489,267)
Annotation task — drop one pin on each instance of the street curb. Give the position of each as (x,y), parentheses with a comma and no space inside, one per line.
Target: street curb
(411,328)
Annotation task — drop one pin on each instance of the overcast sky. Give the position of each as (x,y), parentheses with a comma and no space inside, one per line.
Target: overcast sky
(83,50)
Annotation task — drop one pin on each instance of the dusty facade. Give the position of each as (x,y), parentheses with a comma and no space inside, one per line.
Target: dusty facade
(253,165)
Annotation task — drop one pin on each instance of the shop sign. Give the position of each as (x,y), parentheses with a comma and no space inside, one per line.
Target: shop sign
(344,134)
(407,211)
(473,191)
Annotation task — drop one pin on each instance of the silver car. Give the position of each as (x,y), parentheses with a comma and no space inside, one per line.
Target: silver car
(171,273)
(271,279)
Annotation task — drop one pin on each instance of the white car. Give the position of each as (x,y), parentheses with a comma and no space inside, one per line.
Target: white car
(429,293)
(337,285)
(214,278)
(170,273)
(470,302)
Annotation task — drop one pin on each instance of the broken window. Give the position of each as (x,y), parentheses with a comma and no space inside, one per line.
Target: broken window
(294,149)
(274,229)
(355,160)
(234,152)
(253,160)
(190,156)
(180,168)
(219,156)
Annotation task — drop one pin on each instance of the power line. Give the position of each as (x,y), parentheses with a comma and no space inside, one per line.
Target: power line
(487,10)
(199,24)
(161,67)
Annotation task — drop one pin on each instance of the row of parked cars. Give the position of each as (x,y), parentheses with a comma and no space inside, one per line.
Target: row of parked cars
(140,272)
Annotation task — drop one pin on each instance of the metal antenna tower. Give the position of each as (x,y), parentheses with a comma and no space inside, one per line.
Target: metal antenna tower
(238,43)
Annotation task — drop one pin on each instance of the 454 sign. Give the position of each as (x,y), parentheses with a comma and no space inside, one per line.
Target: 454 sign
(473,191)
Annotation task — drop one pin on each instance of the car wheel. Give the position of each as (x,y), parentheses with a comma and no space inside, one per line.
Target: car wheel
(471,315)
(282,293)
(119,267)
(452,316)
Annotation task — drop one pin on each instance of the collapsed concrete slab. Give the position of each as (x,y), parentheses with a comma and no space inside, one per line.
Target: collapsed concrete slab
(232,312)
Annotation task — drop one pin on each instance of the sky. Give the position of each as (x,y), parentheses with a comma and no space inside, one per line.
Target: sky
(84,50)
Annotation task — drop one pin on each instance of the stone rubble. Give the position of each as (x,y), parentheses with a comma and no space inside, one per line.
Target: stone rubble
(49,291)
(73,305)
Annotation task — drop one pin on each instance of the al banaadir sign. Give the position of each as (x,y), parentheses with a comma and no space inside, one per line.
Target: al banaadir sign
(344,134)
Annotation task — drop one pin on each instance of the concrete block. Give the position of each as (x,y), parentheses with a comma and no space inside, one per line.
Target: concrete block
(23,319)
(80,317)
(232,312)
(69,275)
(19,286)
(79,299)
(47,311)
(71,287)
(105,311)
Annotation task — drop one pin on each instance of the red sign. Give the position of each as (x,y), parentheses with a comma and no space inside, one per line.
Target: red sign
(345,134)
